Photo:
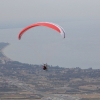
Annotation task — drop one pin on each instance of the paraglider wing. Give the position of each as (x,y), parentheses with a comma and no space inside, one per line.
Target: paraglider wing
(47,24)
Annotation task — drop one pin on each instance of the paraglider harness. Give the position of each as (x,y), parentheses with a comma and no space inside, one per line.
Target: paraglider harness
(45,67)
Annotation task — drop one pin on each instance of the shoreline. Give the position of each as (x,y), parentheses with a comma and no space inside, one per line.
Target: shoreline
(2,51)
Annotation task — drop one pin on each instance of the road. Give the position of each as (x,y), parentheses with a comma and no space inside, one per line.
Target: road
(59,97)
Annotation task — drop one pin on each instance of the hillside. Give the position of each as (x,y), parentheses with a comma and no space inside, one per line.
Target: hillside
(30,81)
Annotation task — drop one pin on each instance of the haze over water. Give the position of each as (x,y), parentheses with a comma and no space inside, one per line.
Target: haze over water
(79,18)
(41,45)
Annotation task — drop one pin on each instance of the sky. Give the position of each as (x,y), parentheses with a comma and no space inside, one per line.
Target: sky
(79,18)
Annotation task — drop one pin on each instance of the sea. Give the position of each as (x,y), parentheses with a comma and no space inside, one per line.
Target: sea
(39,45)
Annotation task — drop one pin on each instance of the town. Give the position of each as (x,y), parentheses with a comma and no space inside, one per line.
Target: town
(26,81)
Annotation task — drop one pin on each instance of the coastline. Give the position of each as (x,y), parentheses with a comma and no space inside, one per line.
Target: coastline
(2,52)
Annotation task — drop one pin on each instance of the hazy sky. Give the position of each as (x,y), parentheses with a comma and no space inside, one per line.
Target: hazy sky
(21,10)
(79,18)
